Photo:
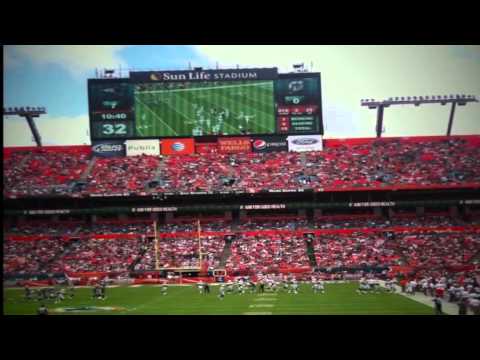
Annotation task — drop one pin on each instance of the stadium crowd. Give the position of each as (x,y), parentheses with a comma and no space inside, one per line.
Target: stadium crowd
(110,255)
(42,172)
(380,163)
(30,257)
(117,250)
(267,254)
(380,222)
(122,175)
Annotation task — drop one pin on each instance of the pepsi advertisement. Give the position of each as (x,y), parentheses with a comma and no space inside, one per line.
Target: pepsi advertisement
(273,143)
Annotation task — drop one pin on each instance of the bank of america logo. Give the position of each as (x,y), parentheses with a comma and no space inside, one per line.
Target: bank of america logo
(178,146)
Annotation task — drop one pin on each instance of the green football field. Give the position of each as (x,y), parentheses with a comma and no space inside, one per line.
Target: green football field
(339,299)
(196,109)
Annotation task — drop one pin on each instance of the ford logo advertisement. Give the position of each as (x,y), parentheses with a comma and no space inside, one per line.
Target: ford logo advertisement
(306,141)
(269,143)
(108,148)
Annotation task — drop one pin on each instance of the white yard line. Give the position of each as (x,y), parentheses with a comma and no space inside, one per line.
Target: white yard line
(154,114)
(257,313)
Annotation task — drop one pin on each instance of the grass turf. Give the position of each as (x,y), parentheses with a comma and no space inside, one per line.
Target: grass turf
(175,112)
(339,299)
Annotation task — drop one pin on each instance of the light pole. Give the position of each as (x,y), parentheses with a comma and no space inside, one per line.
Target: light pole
(460,100)
(29,113)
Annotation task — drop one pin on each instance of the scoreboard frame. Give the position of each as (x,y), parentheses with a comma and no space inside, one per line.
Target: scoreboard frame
(124,116)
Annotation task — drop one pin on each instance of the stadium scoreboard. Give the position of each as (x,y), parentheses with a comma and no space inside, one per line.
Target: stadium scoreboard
(153,104)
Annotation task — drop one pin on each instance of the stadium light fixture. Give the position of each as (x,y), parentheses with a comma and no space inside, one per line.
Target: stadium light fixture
(457,99)
(29,113)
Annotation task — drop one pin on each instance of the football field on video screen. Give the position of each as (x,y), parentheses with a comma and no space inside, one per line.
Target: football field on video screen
(207,108)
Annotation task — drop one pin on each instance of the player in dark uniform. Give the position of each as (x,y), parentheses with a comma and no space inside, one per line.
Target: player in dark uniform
(43,294)
(103,289)
(98,293)
(71,291)
(206,288)
(262,287)
(42,310)
(438,305)
(28,293)
(52,293)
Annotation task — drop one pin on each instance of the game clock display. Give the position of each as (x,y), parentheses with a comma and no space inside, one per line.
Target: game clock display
(110,129)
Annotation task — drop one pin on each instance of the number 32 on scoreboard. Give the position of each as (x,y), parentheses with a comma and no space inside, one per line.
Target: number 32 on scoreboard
(114,129)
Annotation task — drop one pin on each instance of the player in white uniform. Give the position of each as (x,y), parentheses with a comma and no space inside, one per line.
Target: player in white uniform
(321,286)
(295,287)
(164,289)
(364,287)
(221,293)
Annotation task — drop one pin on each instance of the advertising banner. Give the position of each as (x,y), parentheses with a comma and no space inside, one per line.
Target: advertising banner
(234,145)
(206,148)
(143,147)
(301,143)
(269,143)
(178,146)
(108,148)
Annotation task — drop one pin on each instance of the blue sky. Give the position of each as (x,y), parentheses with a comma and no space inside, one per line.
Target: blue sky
(56,77)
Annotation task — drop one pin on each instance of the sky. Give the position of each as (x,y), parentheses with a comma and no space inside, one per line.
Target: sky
(55,76)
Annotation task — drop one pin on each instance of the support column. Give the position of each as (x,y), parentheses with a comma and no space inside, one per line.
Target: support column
(453,211)
(243,214)
(391,212)
(420,210)
(450,120)
(168,217)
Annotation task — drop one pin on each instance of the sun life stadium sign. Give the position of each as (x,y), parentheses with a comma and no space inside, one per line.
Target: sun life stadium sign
(204,75)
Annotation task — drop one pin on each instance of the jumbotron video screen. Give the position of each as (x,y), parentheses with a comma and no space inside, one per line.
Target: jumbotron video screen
(204,108)
(202,103)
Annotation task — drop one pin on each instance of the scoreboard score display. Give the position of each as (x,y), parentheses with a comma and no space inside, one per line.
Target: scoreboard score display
(195,103)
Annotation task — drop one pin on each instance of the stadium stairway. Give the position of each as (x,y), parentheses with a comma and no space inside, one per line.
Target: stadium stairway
(157,178)
(25,159)
(311,254)
(475,257)
(59,255)
(89,168)
(227,251)
(139,258)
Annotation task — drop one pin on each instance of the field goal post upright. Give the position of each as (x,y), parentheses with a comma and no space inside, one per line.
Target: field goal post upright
(201,270)
(156,245)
